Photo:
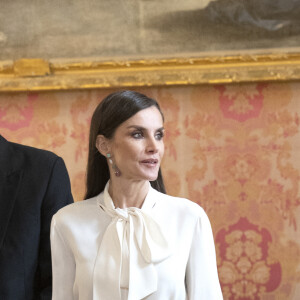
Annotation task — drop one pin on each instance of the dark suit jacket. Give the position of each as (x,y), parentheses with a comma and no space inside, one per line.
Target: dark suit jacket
(34,184)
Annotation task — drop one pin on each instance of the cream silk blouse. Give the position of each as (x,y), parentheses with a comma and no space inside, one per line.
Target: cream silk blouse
(163,251)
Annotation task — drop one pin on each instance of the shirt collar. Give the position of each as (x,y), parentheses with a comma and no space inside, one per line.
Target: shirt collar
(147,206)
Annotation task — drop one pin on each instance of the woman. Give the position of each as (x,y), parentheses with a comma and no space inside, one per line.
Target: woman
(130,240)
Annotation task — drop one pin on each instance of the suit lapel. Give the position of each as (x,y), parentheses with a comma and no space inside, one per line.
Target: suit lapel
(8,193)
(9,183)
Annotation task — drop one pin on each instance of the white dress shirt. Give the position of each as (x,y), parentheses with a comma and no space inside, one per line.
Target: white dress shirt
(163,251)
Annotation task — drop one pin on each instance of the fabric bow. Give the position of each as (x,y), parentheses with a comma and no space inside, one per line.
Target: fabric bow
(147,246)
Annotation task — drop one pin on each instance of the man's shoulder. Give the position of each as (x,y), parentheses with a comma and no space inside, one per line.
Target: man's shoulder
(31,158)
(33,151)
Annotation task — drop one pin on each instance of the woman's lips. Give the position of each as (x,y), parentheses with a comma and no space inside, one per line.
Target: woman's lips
(150,162)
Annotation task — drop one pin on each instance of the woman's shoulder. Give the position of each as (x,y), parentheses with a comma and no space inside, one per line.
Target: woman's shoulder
(76,210)
(173,203)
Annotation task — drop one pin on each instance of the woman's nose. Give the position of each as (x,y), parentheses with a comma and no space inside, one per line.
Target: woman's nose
(152,145)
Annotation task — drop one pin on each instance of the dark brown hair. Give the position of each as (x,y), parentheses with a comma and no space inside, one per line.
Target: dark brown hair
(112,111)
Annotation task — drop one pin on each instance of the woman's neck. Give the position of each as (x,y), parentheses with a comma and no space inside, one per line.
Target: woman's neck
(128,193)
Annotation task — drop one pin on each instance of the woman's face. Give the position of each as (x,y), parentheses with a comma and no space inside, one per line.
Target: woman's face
(137,146)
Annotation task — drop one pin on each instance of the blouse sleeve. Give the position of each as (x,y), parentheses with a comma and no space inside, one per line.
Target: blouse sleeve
(63,265)
(202,280)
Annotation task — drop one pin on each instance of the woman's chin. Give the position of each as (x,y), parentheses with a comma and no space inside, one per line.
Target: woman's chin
(153,178)
(150,177)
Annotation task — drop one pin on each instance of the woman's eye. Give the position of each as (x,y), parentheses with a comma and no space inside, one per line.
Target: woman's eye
(137,135)
(159,135)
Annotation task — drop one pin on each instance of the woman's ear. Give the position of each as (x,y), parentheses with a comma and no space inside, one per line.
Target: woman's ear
(102,144)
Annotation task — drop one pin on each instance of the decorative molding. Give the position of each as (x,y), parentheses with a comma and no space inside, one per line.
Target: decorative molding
(41,75)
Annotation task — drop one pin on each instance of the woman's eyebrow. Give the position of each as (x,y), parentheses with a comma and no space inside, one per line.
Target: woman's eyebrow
(136,127)
(142,128)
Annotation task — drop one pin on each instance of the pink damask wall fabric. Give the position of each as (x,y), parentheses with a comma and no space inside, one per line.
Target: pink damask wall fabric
(233,149)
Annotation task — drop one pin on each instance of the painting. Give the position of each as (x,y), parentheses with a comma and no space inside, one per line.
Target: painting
(170,37)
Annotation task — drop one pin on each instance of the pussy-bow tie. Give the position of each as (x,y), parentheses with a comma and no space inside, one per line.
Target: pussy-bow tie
(147,246)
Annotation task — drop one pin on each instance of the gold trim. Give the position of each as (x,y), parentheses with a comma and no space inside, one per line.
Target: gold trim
(31,67)
(41,75)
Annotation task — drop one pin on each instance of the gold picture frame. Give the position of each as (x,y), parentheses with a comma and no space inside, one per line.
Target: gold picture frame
(162,43)
(41,75)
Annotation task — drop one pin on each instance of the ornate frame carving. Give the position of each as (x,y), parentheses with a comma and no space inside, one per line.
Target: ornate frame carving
(41,75)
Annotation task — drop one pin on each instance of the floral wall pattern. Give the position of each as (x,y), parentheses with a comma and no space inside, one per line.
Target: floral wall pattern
(233,149)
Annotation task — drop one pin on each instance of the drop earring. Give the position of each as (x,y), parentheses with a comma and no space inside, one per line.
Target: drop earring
(113,165)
